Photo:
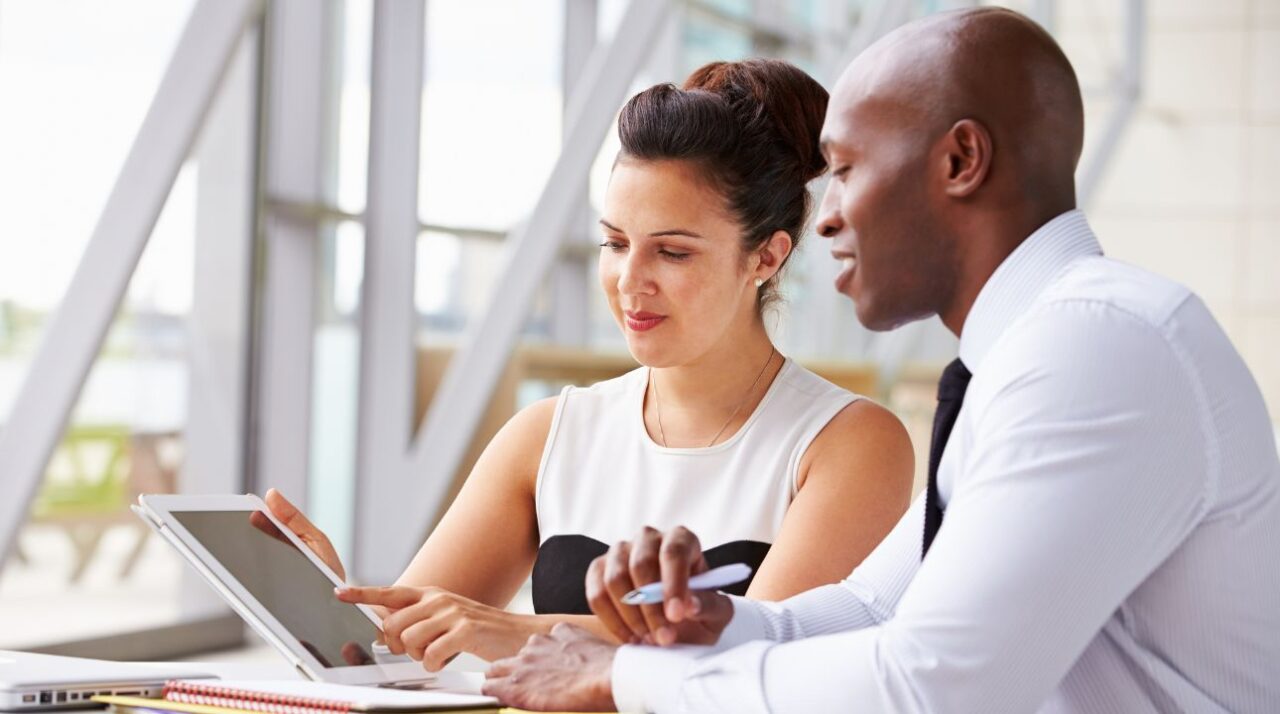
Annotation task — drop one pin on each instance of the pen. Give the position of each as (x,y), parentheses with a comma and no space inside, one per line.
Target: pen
(713,579)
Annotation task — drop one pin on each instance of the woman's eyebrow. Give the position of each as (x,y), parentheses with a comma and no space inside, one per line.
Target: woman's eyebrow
(656,234)
(675,232)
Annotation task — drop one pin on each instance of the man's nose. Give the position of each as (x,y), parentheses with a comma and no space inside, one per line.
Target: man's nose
(829,222)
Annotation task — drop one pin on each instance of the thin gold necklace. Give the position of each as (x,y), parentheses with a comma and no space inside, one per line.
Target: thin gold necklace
(657,402)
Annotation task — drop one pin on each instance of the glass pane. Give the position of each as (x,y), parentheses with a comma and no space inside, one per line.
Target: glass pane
(353,105)
(335,385)
(739,9)
(84,565)
(162,408)
(491,123)
(77,77)
(438,280)
(707,38)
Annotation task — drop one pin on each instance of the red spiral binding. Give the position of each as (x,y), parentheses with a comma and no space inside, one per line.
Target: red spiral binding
(228,698)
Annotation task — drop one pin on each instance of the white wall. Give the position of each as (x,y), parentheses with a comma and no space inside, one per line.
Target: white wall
(1194,190)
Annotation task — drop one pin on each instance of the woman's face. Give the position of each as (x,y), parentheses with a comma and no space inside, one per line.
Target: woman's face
(672,264)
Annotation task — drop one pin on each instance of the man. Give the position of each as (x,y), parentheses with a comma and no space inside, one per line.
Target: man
(1101,530)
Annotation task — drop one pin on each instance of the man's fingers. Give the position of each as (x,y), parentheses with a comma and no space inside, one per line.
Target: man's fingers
(501,667)
(395,597)
(705,617)
(617,580)
(644,570)
(602,603)
(679,556)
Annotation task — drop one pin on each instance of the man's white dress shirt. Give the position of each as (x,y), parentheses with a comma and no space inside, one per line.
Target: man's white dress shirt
(1111,539)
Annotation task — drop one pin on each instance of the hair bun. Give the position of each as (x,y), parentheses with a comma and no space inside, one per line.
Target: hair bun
(772,101)
(751,128)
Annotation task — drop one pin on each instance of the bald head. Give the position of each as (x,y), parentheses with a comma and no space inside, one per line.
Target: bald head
(950,141)
(990,65)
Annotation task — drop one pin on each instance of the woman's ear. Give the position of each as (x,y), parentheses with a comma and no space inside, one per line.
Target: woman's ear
(772,254)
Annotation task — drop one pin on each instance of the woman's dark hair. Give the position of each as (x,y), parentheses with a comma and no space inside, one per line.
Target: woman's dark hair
(752,127)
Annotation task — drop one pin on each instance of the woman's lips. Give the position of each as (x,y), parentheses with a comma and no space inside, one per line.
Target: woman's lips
(848,266)
(642,321)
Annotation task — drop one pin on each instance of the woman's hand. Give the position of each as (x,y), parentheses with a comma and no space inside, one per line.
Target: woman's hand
(316,540)
(433,625)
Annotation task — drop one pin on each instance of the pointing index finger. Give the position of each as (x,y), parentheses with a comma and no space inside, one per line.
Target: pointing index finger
(395,596)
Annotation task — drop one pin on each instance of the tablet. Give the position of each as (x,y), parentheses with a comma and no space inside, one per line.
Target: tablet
(282,589)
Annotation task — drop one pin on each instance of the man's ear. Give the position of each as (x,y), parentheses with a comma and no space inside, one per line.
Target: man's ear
(967,150)
(772,254)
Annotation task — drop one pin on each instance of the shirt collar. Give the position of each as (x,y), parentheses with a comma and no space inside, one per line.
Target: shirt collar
(1019,279)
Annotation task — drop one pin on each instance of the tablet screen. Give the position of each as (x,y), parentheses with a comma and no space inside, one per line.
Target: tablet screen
(286,583)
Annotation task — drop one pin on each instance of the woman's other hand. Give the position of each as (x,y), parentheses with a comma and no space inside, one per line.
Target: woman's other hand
(432,625)
(294,520)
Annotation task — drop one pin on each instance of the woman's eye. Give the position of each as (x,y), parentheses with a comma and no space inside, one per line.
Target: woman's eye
(841,172)
(673,255)
(613,245)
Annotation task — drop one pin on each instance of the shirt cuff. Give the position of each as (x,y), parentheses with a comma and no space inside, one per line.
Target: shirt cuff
(648,679)
(748,624)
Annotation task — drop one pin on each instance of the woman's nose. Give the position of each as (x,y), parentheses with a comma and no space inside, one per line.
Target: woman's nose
(633,276)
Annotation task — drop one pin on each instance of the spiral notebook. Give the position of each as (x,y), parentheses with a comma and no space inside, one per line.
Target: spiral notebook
(298,697)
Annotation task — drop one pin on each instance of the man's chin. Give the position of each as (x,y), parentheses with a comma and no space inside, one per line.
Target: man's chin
(878,320)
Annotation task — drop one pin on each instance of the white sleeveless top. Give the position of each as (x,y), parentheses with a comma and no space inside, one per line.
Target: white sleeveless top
(602,478)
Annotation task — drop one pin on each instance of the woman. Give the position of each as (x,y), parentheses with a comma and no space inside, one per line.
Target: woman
(772,465)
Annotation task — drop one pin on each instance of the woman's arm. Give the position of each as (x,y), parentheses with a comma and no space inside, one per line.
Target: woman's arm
(854,484)
(485,544)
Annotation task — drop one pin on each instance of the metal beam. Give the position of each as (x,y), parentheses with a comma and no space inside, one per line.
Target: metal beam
(299,127)
(76,331)
(570,281)
(219,326)
(419,487)
(387,312)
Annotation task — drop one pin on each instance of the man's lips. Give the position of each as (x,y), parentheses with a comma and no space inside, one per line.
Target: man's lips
(641,321)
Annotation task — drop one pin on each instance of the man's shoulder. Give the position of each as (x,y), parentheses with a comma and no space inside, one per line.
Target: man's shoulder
(1101,317)
(1118,289)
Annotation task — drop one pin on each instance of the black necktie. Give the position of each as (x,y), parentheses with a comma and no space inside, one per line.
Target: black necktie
(951,388)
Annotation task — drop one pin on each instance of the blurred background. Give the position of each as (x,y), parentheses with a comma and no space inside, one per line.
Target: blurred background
(242,242)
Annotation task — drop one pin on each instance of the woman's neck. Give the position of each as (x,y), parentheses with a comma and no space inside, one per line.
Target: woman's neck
(695,399)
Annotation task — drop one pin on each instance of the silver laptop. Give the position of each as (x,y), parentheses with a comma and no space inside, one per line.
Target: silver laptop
(34,681)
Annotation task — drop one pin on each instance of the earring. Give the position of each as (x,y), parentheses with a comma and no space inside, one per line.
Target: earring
(759,282)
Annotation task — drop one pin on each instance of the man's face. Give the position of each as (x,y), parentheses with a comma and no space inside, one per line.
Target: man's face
(879,209)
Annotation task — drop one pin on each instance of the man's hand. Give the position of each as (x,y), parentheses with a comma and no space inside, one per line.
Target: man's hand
(568,670)
(694,617)
(433,625)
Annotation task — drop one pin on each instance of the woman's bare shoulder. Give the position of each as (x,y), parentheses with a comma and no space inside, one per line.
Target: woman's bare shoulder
(862,437)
